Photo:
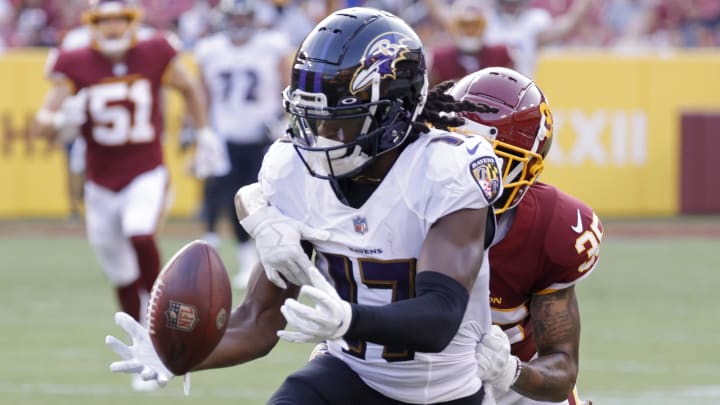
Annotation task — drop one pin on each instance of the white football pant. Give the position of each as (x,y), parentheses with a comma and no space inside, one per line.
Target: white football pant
(113,217)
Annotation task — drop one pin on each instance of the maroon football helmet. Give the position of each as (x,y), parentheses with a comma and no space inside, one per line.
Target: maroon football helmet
(113,40)
(523,125)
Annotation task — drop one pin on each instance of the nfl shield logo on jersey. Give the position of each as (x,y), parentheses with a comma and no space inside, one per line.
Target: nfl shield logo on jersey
(360,225)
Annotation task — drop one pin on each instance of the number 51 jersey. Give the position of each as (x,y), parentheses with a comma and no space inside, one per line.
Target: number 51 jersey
(125,122)
(373,251)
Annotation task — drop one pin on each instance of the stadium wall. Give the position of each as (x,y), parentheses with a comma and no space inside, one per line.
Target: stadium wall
(618,120)
(617,140)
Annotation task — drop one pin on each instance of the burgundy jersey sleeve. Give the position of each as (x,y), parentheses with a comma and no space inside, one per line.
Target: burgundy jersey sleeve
(66,65)
(572,242)
(547,248)
(165,48)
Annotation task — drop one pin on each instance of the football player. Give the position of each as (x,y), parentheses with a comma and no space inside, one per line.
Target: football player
(400,291)
(525,29)
(546,242)
(243,69)
(468,52)
(119,78)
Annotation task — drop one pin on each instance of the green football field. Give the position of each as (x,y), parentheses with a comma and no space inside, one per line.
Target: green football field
(650,328)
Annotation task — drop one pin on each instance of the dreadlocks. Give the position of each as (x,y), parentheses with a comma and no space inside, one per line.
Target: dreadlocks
(439,104)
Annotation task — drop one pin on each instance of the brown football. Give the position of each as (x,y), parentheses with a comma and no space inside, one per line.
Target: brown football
(189,307)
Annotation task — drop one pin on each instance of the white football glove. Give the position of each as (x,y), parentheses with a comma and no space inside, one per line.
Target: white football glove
(140,357)
(328,319)
(495,363)
(69,118)
(211,158)
(277,237)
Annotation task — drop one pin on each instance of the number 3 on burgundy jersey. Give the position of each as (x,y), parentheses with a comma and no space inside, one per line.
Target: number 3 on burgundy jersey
(589,242)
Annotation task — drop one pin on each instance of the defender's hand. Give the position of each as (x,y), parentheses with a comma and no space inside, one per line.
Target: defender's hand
(140,357)
(495,363)
(328,319)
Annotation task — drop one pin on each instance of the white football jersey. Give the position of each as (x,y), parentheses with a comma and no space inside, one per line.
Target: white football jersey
(372,254)
(244,83)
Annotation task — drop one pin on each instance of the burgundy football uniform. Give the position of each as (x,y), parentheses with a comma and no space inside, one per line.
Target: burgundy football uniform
(553,242)
(125,122)
(449,63)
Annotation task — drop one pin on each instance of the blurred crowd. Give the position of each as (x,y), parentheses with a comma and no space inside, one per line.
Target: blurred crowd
(608,23)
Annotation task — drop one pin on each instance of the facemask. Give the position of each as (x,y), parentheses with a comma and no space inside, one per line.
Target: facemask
(341,160)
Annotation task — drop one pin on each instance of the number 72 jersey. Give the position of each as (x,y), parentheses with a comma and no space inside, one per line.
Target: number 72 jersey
(124,123)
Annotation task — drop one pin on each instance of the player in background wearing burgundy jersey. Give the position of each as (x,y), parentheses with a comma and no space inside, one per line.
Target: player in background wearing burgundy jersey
(116,87)
(546,242)
(467,50)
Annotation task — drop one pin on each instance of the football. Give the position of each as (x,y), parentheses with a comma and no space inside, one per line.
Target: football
(189,307)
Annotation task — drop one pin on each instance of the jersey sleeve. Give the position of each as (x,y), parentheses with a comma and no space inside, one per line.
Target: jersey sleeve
(167,47)
(60,67)
(572,243)
(461,172)
(280,177)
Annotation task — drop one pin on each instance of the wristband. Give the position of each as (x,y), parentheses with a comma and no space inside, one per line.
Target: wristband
(518,371)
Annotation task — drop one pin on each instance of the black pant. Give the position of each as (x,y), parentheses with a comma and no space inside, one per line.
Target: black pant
(327,380)
(219,192)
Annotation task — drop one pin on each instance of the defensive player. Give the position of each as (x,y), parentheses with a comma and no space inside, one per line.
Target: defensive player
(243,70)
(525,30)
(546,242)
(406,208)
(465,21)
(120,77)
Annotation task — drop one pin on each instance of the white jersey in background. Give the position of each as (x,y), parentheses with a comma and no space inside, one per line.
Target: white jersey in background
(244,83)
(519,33)
(373,252)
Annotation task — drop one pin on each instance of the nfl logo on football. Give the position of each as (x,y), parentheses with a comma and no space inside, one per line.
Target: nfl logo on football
(360,225)
(181,316)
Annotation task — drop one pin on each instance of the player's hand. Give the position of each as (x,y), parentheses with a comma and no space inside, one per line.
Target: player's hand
(68,119)
(277,237)
(211,158)
(328,319)
(72,115)
(496,365)
(140,357)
